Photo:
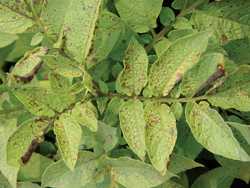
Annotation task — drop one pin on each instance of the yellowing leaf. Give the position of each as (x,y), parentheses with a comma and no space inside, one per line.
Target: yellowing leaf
(235,91)
(175,62)
(133,173)
(132,124)
(199,76)
(20,141)
(29,64)
(12,21)
(226,19)
(161,134)
(210,130)
(86,114)
(140,15)
(133,78)
(9,172)
(68,136)
(62,66)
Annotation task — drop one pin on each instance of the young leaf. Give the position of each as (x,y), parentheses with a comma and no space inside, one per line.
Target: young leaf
(19,142)
(76,21)
(132,124)
(85,114)
(28,65)
(177,60)
(12,21)
(68,136)
(133,78)
(210,130)
(226,19)
(139,15)
(199,76)
(9,173)
(161,134)
(58,174)
(235,91)
(133,173)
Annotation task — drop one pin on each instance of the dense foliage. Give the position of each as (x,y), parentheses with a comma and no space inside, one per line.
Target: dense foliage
(124,93)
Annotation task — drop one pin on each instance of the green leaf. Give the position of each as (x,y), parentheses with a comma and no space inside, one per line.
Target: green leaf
(85,114)
(139,15)
(200,75)
(108,31)
(170,184)
(179,163)
(62,65)
(27,185)
(235,91)
(58,175)
(7,172)
(133,173)
(132,124)
(187,4)
(68,136)
(162,46)
(28,65)
(75,20)
(177,60)
(12,21)
(22,138)
(133,78)
(167,16)
(243,129)
(7,39)
(36,39)
(161,134)
(234,17)
(210,130)
(218,177)
(33,170)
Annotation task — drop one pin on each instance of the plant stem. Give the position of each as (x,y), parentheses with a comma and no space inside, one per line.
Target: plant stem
(159,99)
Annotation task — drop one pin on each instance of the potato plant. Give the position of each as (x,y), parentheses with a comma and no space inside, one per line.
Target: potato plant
(124,93)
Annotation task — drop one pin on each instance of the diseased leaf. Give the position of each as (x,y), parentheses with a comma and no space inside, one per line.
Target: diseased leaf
(33,170)
(85,114)
(177,60)
(226,19)
(139,15)
(133,173)
(28,65)
(133,78)
(19,142)
(201,74)
(161,134)
(12,21)
(210,130)
(132,124)
(62,65)
(68,136)
(235,91)
(75,20)
(8,173)
(58,174)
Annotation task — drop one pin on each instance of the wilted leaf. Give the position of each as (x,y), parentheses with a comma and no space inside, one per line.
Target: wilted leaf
(133,125)
(177,60)
(161,134)
(68,136)
(210,130)
(133,78)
